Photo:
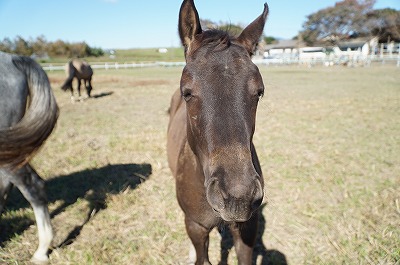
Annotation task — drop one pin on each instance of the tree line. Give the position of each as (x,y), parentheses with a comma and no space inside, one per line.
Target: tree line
(349,19)
(233,29)
(40,47)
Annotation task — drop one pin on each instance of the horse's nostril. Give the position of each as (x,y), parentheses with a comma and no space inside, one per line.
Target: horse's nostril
(256,203)
(215,196)
(258,195)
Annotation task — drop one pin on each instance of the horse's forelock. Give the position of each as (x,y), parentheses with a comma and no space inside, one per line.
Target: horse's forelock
(215,39)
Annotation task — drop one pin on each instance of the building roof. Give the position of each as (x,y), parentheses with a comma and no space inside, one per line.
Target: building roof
(353,43)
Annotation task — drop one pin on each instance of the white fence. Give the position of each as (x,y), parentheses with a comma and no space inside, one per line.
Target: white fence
(352,56)
(112,65)
(346,60)
(311,61)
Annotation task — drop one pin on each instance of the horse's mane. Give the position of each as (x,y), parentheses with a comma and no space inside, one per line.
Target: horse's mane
(214,38)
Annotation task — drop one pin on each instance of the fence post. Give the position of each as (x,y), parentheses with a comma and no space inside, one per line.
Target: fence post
(398,56)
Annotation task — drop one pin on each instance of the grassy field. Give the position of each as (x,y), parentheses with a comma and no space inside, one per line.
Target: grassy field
(329,144)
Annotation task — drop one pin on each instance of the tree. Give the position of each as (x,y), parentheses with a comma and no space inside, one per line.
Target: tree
(22,47)
(385,24)
(270,40)
(233,29)
(39,46)
(78,50)
(348,18)
(207,24)
(6,45)
(58,48)
(96,52)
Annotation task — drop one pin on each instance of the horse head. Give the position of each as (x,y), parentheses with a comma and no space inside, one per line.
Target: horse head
(221,88)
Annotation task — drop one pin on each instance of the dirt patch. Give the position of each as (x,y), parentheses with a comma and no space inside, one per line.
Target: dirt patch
(148,82)
(57,80)
(131,82)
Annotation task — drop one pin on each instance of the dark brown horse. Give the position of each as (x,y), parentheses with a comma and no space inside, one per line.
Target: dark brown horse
(212,121)
(80,70)
(28,115)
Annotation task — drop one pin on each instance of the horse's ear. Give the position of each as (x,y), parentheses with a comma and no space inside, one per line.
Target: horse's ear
(251,35)
(189,23)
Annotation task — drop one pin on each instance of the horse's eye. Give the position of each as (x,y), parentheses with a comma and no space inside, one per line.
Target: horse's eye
(187,94)
(260,93)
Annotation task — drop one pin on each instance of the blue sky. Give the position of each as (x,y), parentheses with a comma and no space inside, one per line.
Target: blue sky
(145,23)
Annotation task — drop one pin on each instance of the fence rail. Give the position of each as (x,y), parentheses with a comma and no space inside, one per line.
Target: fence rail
(353,60)
(328,61)
(112,65)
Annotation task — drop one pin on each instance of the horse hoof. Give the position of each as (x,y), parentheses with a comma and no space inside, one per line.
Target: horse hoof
(40,259)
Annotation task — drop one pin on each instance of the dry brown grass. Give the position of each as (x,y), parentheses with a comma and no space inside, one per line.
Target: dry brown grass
(329,144)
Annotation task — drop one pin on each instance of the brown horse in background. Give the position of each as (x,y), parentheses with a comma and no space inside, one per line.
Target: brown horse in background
(80,70)
(212,122)
(28,115)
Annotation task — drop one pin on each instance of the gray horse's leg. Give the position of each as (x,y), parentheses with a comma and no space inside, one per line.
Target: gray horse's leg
(5,187)
(33,189)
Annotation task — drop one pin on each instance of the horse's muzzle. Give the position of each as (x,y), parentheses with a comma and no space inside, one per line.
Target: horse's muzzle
(235,202)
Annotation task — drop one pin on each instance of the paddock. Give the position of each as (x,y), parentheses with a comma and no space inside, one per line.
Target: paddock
(327,138)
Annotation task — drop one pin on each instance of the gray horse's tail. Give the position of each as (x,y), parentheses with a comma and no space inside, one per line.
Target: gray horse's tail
(70,69)
(19,142)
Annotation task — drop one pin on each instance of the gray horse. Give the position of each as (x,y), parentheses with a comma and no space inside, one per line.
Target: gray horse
(80,70)
(28,115)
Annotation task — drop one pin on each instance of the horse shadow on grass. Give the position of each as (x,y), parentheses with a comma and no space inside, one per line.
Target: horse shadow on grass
(92,185)
(94,96)
(103,94)
(267,256)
